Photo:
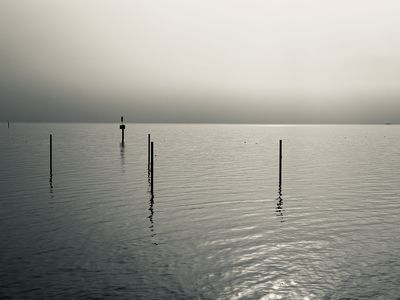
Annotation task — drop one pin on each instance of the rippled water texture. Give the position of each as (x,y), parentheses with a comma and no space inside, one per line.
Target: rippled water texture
(218,227)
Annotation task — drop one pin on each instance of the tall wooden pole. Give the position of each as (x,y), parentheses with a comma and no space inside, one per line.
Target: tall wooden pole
(152,168)
(148,153)
(280,163)
(51,154)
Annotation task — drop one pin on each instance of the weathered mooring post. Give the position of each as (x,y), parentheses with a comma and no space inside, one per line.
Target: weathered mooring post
(51,155)
(148,153)
(122,127)
(280,163)
(152,168)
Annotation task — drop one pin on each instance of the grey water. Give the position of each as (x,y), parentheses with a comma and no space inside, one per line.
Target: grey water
(219,225)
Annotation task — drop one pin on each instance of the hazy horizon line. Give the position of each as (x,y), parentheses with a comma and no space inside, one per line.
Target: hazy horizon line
(194,123)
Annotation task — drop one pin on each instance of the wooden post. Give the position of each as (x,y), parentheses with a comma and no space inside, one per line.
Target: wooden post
(122,127)
(8,124)
(51,154)
(148,153)
(152,167)
(280,163)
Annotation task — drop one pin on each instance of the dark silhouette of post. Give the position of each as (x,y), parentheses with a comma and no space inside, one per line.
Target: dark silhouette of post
(148,153)
(122,127)
(152,168)
(280,163)
(8,124)
(51,154)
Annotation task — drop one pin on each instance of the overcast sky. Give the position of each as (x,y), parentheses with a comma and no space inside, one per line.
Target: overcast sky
(247,61)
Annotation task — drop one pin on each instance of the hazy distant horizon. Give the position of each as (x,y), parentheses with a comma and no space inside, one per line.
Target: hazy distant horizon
(190,123)
(204,61)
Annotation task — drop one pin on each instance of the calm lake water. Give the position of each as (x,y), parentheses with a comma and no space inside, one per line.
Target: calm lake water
(218,227)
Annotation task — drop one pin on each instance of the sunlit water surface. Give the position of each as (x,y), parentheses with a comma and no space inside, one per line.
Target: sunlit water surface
(219,227)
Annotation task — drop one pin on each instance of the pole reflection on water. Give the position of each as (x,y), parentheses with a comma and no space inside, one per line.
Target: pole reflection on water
(122,155)
(51,187)
(279,205)
(151,217)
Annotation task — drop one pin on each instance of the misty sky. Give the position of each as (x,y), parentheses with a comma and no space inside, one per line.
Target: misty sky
(248,61)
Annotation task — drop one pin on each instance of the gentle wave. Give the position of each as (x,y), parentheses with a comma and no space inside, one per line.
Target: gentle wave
(218,226)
